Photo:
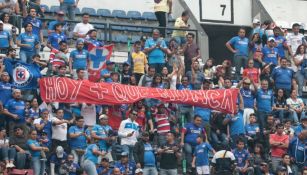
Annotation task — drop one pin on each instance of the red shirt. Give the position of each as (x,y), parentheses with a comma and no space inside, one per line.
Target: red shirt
(162,123)
(251,73)
(277,151)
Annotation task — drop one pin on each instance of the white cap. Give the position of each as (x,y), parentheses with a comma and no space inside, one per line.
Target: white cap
(139,170)
(271,39)
(256,21)
(103,116)
(59,152)
(1,22)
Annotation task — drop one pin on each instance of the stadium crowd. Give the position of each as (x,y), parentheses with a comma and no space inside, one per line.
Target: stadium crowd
(266,135)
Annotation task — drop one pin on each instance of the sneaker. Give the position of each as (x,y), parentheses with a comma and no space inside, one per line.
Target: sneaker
(12,165)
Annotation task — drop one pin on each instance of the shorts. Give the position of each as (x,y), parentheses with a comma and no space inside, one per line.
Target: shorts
(203,169)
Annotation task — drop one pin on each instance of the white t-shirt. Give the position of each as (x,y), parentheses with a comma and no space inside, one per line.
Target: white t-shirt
(295,104)
(4,141)
(82,28)
(89,114)
(295,40)
(298,58)
(59,132)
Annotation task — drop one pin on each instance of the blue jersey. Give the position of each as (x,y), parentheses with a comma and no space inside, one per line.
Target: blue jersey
(79,59)
(101,169)
(241,156)
(94,42)
(54,39)
(298,150)
(131,166)
(205,113)
(36,144)
(156,55)
(236,124)
(201,154)
(299,129)
(4,39)
(191,132)
(52,24)
(36,24)
(34,114)
(58,161)
(248,97)
(265,100)
(89,155)
(5,91)
(251,129)
(104,72)
(283,77)
(16,107)
(280,41)
(270,55)
(102,131)
(30,39)
(240,44)
(77,142)
(149,156)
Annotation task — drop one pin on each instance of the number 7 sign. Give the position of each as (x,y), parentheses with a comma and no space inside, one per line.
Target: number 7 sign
(216,11)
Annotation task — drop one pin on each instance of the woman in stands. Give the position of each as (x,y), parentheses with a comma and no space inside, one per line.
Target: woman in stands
(280,107)
(300,55)
(221,72)
(208,69)
(5,18)
(255,46)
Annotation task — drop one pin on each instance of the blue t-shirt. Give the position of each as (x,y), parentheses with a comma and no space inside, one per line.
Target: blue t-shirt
(270,55)
(123,167)
(94,42)
(4,39)
(34,114)
(282,77)
(58,161)
(5,91)
(54,39)
(205,113)
(102,131)
(16,107)
(79,59)
(77,142)
(30,39)
(297,149)
(191,133)
(106,71)
(149,157)
(201,153)
(251,129)
(299,129)
(264,100)
(241,156)
(89,155)
(35,143)
(101,169)
(248,97)
(47,128)
(236,124)
(156,55)
(36,24)
(53,23)
(240,44)
(280,40)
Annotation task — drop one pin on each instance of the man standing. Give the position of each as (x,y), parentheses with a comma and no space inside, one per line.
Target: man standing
(162,9)
(59,19)
(295,39)
(59,131)
(195,76)
(239,46)
(5,88)
(181,23)
(106,73)
(81,29)
(68,6)
(191,51)
(156,49)
(79,59)
(5,40)
(270,54)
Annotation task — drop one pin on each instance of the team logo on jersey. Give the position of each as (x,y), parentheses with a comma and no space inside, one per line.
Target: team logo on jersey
(21,75)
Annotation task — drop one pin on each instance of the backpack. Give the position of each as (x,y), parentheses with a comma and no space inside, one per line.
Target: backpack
(224,165)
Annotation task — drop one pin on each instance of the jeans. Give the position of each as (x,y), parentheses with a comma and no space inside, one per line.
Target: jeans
(8,153)
(180,40)
(262,117)
(239,61)
(162,19)
(26,57)
(68,9)
(280,114)
(187,112)
(168,172)
(89,167)
(38,166)
(77,158)
(294,116)
(150,170)
(129,149)
(218,139)
(161,139)
(21,160)
(275,162)
(157,66)
(188,151)
(300,81)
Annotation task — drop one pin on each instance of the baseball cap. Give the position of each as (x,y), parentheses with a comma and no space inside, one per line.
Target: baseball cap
(126,63)
(44,110)
(105,159)
(256,21)
(59,152)
(271,39)
(60,12)
(139,170)
(103,116)
(109,62)
(281,168)
(124,154)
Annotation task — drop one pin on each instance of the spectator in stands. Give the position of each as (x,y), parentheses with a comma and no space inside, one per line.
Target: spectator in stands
(283,76)
(223,161)
(59,130)
(252,132)
(88,110)
(181,23)
(35,148)
(126,73)
(162,9)
(156,49)
(106,73)
(189,133)
(297,150)
(11,54)
(18,140)
(264,103)
(37,24)
(195,75)
(296,107)
(79,59)
(279,145)
(92,39)
(280,40)
(222,71)
(56,37)
(81,29)
(69,6)
(43,124)
(128,132)
(295,39)
(5,88)
(7,153)
(104,168)
(218,131)
(288,165)
(57,158)
(80,74)
(10,7)
(28,43)
(270,54)
(144,155)
(255,46)
(125,165)
(170,153)
(238,45)
(146,79)
(60,18)
(58,58)
(242,159)
(139,60)
(251,72)
(91,159)
(302,126)
(69,167)
(256,26)
(298,59)
(5,40)
(208,69)
(280,107)
(190,51)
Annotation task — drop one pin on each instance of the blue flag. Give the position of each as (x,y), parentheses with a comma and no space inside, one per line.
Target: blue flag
(23,75)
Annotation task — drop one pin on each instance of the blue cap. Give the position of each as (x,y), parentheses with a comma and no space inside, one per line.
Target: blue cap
(109,62)
(126,63)
(44,110)
(124,154)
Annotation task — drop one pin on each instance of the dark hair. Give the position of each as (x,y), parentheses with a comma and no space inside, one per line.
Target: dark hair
(154,84)
(207,67)
(79,118)
(279,125)
(197,116)
(36,55)
(26,25)
(57,25)
(287,120)
(3,15)
(259,39)
(79,69)
(85,14)
(151,67)
(242,28)
(185,13)
(252,114)
(298,49)
(295,25)
(240,139)
(91,31)
(191,34)
(137,43)
(62,42)
(284,155)
(32,130)
(60,109)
